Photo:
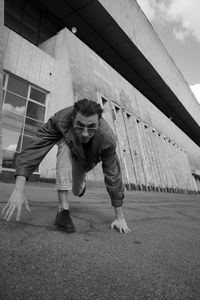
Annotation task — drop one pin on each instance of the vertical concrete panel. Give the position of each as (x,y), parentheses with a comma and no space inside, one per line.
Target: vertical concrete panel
(130,150)
(151,149)
(181,174)
(172,168)
(136,151)
(164,154)
(190,179)
(61,95)
(124,148)
(143,154)
(147,157)
(12,52)
(23,62)
(155,152)
(1,73)
(158,154)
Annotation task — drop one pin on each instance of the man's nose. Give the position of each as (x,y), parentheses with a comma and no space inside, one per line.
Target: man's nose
(85,132)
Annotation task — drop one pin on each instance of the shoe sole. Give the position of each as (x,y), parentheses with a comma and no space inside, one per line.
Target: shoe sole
(65,229)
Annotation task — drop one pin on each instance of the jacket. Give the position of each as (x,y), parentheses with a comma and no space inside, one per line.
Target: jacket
(102,149)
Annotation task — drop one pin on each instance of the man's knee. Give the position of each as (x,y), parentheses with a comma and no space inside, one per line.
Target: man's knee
(76,191)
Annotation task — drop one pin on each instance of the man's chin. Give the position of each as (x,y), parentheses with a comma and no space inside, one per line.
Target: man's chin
(84,141)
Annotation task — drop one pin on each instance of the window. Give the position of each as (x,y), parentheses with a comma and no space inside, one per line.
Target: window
(24,107)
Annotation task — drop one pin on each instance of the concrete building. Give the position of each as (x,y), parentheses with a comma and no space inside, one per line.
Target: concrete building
(56,53)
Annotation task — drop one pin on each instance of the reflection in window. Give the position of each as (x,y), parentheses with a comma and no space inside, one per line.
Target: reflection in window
(8,159)
(35,111)
(12,121)
(17,86)
(4,79)
(22,116)
(31,126)
(14,103)
(11,140)
(26,140)
(37,95)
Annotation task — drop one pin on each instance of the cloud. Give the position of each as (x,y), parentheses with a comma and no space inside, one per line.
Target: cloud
(180,34)
(183,14)
(196,91)
(12,147)
(18,109)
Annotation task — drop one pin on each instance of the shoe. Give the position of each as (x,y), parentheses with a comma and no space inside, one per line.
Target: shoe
(64,222)
(83,192)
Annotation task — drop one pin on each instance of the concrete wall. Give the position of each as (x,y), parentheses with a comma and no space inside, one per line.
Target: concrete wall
(148,154)
(32,64)
(26,60)
(139,29)
(147,144)
(1,74)
(61,94)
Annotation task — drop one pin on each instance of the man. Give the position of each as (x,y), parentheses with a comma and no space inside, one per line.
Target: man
(84,139)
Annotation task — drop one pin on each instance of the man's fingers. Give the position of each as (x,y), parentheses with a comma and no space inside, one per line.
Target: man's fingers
(4,209)
(9,213)
(127,230)
(112,225)
(18,213)
(27,206)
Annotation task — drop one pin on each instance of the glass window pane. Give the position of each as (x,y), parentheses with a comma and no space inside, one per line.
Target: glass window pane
(11,140)
(17,86)
(8,159)
(15,104)
(35,111)
(37,95)
(31,126)
(4,79)
(26,141)
(12,121)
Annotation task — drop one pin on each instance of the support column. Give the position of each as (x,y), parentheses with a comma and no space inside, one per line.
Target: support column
(1,73)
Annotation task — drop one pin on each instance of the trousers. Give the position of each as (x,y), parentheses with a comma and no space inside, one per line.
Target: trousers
(70,174)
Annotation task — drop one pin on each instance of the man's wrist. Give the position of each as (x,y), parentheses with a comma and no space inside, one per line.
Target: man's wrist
(20,183)
(119,213)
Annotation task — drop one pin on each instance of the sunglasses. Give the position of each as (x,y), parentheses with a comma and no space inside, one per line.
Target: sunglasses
(79,128)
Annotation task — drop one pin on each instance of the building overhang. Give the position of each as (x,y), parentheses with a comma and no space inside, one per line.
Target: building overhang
(97,29)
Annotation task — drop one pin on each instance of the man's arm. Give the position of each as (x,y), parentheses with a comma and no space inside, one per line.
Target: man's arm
(37,148)
(115,187)
(26,162)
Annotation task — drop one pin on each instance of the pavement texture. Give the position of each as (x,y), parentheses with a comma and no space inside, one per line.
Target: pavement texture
(159,259)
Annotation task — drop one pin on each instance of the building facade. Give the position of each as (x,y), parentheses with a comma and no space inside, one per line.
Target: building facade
(47,67)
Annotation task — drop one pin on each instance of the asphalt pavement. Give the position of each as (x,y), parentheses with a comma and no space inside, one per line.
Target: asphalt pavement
(159,259)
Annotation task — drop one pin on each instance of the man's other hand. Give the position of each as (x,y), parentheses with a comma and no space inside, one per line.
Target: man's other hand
(15,202)
(120,225)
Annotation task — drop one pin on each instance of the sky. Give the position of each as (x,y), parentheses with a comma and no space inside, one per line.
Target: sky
(177,24)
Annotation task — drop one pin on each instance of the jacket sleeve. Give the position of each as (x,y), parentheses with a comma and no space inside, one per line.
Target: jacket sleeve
(112,176)
(36,149)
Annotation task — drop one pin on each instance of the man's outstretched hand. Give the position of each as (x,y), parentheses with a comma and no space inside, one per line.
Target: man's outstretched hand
(120,225)
(15,202)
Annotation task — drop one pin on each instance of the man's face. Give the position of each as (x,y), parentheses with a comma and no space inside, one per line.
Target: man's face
(85,127)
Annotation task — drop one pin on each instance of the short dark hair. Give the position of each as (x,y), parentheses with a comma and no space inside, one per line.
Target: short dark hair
(87,108)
